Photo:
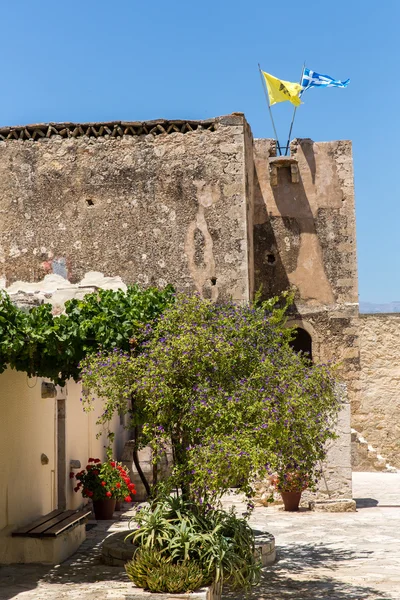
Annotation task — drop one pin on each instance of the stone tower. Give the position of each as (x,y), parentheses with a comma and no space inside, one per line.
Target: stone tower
(305,237)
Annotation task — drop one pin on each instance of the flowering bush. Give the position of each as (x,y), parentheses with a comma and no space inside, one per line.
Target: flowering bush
(295,481)
(221,384)
(104,480)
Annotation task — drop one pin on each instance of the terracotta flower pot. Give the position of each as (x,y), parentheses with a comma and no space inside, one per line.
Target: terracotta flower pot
(291,500)
(104,509)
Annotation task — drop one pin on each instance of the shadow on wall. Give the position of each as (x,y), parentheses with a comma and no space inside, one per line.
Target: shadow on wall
(288,250)
(269,271)
(309,155)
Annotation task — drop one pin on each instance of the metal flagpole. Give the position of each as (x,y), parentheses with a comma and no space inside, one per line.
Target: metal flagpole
(269,108)
(294,116)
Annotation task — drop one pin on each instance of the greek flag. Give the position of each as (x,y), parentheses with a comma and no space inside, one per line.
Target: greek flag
(312,79)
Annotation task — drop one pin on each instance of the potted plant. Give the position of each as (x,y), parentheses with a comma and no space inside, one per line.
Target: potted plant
(104,483)
(290,484)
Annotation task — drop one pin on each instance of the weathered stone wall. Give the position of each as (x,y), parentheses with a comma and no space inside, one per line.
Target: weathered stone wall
(198,206)
(377,417)
(304,237)
(152,209)
(305,220)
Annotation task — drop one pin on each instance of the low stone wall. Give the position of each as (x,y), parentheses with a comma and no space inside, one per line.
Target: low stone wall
(116,552)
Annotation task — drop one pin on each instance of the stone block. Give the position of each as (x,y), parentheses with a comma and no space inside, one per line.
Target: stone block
(212,592)
(48,390)
(237,119)
(230,148)
(351,353)
(336,505)
(115,551)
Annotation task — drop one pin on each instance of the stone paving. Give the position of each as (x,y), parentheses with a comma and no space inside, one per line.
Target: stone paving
(335,556)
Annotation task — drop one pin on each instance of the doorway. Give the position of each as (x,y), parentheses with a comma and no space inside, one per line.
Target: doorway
(302,342)
(61,456)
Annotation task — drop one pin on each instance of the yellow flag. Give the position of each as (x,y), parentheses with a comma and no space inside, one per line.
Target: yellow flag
(280,91)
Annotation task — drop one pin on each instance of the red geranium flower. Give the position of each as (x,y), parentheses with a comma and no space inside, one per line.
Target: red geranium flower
(71,475)
(128,499)
(115,479)
(76,489)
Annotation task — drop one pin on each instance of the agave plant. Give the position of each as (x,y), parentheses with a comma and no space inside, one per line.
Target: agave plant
(181,533)
(155,572)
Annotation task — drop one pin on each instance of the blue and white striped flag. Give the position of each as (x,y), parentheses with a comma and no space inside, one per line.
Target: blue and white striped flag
(312,79)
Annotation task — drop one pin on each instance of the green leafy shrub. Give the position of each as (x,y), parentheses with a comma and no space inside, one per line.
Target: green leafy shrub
(181,532)
(151,570)
(45,345)
(221,385)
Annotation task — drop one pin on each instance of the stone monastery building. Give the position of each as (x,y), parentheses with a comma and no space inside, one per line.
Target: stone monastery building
(204,206)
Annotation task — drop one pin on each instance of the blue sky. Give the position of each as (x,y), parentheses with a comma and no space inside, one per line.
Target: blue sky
(122,59)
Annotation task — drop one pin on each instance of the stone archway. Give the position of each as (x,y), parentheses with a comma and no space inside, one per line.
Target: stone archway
(302,342)
(307,340)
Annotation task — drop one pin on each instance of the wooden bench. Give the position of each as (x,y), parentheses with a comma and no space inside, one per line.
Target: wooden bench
(53,524)
(51,539)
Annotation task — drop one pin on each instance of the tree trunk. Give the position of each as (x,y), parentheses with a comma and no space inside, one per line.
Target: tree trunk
(135,456)
(135,453)
(155,474)
(179,445)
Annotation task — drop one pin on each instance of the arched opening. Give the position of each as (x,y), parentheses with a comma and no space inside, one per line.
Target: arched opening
(302,342)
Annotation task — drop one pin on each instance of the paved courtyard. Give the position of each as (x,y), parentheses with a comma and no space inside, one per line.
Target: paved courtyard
(352,556)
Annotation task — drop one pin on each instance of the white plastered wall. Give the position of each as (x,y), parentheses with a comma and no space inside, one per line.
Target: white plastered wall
(28,488)
(81,441)
(27,421)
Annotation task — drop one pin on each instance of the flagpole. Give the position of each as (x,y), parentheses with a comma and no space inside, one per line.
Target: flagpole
(269,108)
(294,115)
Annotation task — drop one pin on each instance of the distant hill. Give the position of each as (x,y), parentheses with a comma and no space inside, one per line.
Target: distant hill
(372,307)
